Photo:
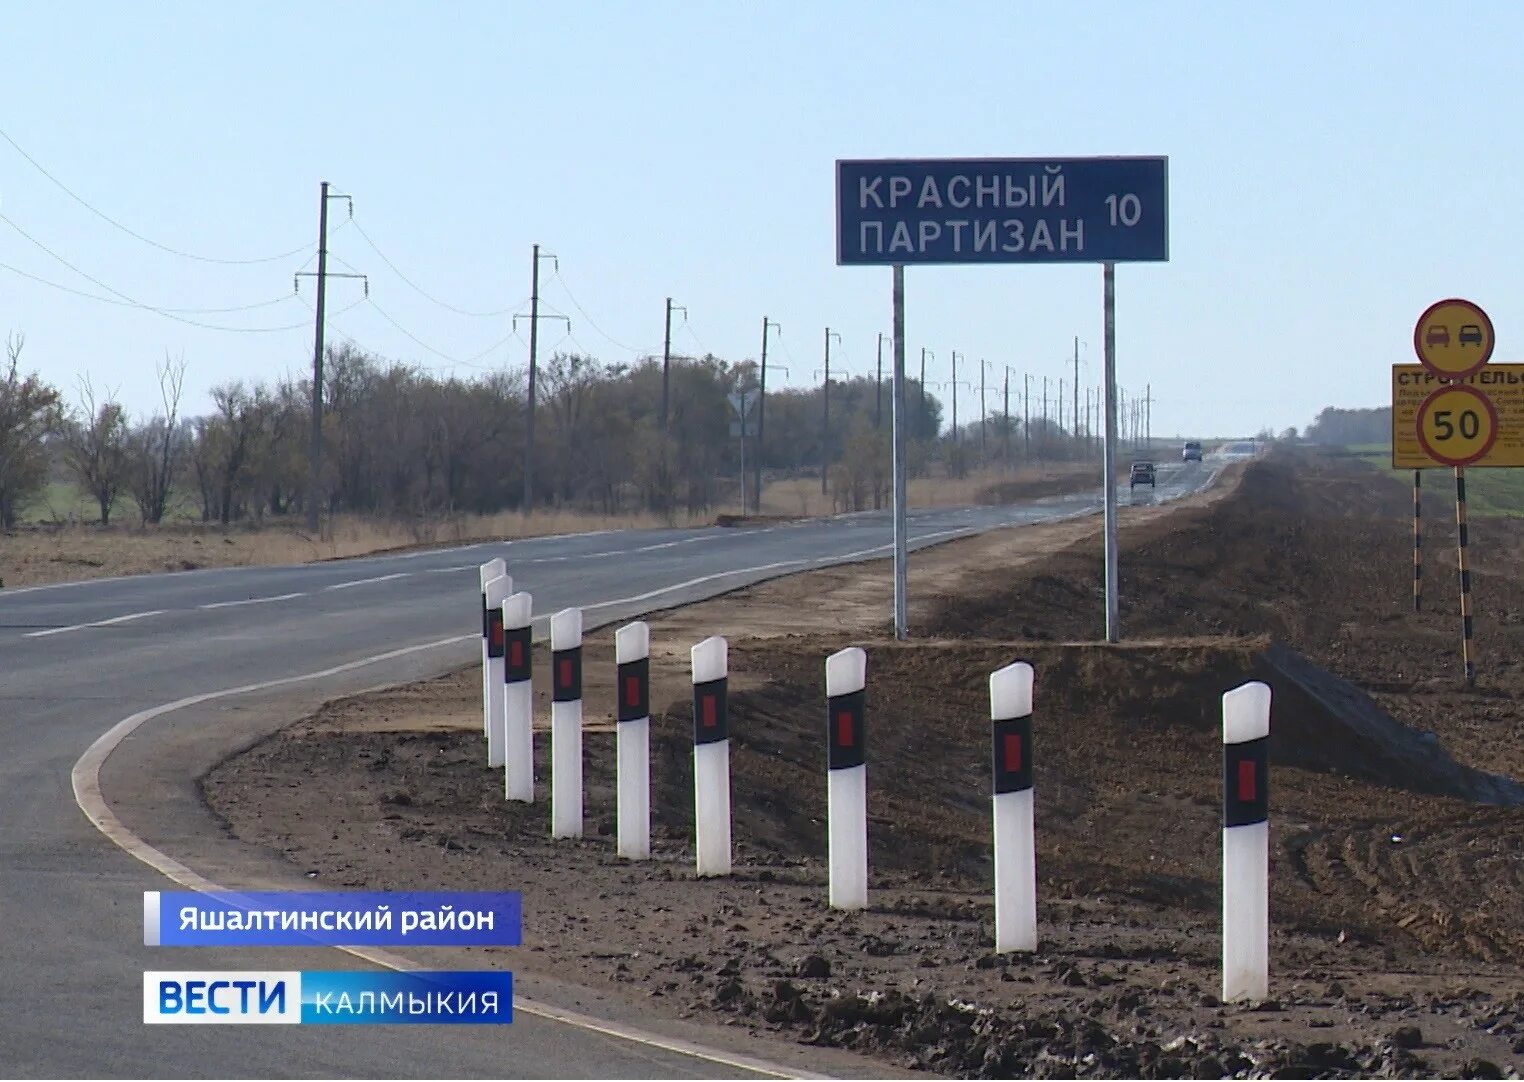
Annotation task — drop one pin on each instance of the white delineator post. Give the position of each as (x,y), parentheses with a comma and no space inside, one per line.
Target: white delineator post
(490,570)
(632,735)
(498,590)
(1015,842)
(1246,843)
(566,724)
(518,698)
(711,757)
(847,778)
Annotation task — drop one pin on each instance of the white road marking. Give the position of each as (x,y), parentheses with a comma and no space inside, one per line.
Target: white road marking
(449,570)
(367,582)
(249,601)
(86,781)
(97,623)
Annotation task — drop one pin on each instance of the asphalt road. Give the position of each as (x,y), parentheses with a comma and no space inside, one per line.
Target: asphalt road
(81,657)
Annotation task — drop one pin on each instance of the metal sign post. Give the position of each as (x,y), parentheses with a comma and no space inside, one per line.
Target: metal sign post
(1109,451)
(741,404)
(898,212)
(901,568)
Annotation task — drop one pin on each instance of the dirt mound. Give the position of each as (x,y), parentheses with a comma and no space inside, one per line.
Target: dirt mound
(1395,916)
(1128,764)
(1314,551)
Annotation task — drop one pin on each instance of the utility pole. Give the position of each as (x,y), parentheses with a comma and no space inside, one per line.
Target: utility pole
(1007,416)
(983,364)
(825,423)
(957,435)
(666,362)
(315,449)
(1043,447)
(758,450)
(534,318)
(922,382)
(1075,418)
(1148,416)
(1026,416)
(878,386)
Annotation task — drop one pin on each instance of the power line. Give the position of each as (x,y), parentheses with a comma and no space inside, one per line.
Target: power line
(424,345)
(138,236)
(593,323)
(282,299)
(132,302)
(423,292)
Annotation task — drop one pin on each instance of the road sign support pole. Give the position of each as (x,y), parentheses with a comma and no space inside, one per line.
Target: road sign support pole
(901,570)
(1417,541)
(1465,576)
(1109,451)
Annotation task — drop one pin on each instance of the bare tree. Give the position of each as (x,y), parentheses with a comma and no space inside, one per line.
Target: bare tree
(95,446)
(156,447)
(30,413)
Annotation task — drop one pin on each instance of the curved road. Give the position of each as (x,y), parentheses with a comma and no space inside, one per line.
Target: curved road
(80,657)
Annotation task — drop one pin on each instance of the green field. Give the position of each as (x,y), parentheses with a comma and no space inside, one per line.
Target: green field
(59,499)
(1491,491)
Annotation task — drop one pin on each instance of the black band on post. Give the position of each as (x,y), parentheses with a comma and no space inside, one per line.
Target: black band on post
(711,715)
(846,738)
(634,690)
(485,610)
(1011,755)
(494,633)
(566,675)
(518,661)
(1246,782)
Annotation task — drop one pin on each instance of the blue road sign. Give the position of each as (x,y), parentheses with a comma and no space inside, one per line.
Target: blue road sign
(1002,210)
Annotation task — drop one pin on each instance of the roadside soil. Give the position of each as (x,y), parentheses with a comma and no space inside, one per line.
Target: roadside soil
(1395,914)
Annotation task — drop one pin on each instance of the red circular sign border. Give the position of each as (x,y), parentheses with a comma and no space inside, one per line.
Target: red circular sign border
(1486,404)
(1418,344)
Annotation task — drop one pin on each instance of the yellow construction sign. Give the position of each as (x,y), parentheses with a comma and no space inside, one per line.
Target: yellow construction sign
(1476,421)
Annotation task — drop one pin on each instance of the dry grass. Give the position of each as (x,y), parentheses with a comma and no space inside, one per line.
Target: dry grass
(62,553)
(801,495)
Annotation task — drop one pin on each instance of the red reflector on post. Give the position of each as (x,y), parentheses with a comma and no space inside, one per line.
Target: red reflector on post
(1012,751)
(1246,781)
(566,673)
(632,691)
(844,735)
(516,654)
(708,717)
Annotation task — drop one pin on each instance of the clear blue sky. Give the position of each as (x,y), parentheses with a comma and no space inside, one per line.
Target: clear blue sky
(1333,169)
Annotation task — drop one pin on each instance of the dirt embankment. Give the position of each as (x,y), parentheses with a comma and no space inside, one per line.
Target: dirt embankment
(1395,911)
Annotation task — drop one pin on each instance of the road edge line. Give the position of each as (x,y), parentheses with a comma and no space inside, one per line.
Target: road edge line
(86,783)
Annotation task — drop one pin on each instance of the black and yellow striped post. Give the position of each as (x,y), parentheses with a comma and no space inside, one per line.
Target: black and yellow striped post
(1417,541)
(1465,575)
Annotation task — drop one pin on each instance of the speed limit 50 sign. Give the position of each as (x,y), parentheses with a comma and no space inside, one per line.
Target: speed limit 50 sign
(1475,421)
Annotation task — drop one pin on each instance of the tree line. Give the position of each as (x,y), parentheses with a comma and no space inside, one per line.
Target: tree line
(400,441)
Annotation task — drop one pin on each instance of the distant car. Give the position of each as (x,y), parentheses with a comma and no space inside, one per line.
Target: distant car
(1192,452)
(1142,474)
(1470,335)
(1437,335)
